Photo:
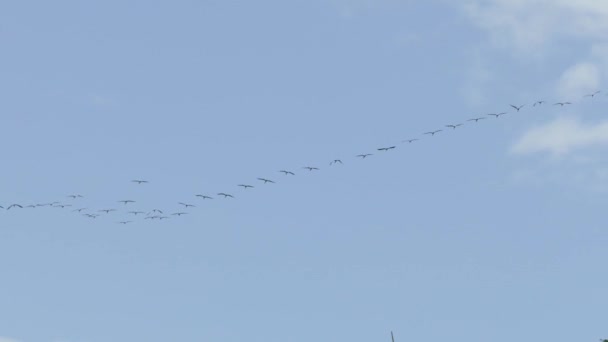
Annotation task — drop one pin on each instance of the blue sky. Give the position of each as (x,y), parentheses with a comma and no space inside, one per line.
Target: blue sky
(493,231)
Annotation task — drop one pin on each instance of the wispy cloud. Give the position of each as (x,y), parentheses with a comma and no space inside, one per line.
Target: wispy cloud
(561,137)
(6,339)
(578,80)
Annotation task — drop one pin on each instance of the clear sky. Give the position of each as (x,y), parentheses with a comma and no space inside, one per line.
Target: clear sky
(494,231)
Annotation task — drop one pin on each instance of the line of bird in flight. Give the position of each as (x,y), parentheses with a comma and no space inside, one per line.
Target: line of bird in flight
(160,215)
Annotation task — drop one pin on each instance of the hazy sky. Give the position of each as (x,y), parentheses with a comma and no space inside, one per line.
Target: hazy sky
(493,231)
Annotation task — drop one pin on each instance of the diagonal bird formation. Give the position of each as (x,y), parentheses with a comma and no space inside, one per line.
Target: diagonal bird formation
(157,214)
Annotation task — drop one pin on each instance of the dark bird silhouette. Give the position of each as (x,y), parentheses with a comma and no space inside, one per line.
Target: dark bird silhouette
(310,168)
(386,148)
(139,181)
(518,108)
(186,205)
(433,132)
(561,103)
(151,217)
(593,94)
(30,206)
(497,115)
(204,197)
(453,126)
(179,214)
(107,211)
(124,222)
(335,161)
(14,206)
(363,156)
(160,218)
(75,196)
(225,195)
(90,215)
(156,211)
(538,103)
(136,212)
(126,201)
(80,210)
(265,180)
(61,205)
(245,186)
(476,119)
(285,172)
(409,141)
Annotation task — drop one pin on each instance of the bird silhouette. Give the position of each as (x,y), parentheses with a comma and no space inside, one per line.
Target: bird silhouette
(135,212)
(285,172)
(107,211)
(433,132)
(126,201)
(409,141)
(265,180)
(518,108)
(139,181)
(310,168)
(335,161)
(453,126)
(386,148)
(204,196)
(186,205)
(245,186)
(75,196)
(225,195)
(124,222)
(14,206)
(80,210)
(179,214)
(363,156)
(476,119)
(561,104)
(538,103)
(156,211)
(497,115)
(593,94)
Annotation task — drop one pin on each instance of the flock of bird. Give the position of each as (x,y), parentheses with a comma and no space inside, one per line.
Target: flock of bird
(160,215)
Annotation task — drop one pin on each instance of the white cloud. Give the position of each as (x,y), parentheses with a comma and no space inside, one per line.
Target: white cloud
(528,25)
(561,137)
(578,80)
(6,339)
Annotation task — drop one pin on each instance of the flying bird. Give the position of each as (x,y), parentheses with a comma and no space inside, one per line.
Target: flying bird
(433,132)
(363,156)
(156,211)
(61,205)
(386,148)
(335,161)
(285,172)
(107,211)
(204,197)
(14,206)
(497,115)
(225,195)
(124,222)
(136,212)
(187,205)
(309,168)
(518,108)
(75,196)
(453,126)
(90,215)
(245,186)
(126,201)
(410,140)
(593,94)
(538,103)
(476,119)
(179,214)
(265,180)
(139,181)
(562,103)
(80,210)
